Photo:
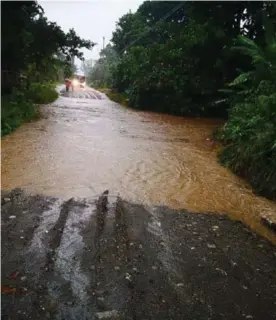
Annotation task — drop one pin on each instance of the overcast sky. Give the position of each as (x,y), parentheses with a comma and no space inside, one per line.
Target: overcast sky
(91,19)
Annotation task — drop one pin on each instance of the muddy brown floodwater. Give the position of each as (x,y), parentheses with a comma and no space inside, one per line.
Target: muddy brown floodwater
(85,144)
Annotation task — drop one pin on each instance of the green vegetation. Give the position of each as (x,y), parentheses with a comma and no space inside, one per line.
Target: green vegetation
(42,93)
(115,96)
(211,59)
(36,53)
(15,110)
(250,132)
(21,105)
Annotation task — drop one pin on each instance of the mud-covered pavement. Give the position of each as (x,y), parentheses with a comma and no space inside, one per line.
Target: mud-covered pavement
(107,258)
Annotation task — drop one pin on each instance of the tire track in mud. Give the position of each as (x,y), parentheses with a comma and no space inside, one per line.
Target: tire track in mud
(55,234)
(70,281)
(39,298)
(126,269)
(60,285)
(110,289)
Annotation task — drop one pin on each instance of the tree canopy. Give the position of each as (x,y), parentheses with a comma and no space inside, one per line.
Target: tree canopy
(205,59)
(33,45)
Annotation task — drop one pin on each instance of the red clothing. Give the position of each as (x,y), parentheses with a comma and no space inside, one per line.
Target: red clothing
(67,83)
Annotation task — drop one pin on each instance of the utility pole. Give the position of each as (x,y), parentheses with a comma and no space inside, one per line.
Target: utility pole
(103,42)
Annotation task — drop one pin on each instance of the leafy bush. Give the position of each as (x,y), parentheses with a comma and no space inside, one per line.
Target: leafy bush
(15,110)
(42,93)
(20,106)
(250,132)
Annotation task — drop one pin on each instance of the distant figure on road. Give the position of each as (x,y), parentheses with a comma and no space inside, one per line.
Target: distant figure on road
(67,84)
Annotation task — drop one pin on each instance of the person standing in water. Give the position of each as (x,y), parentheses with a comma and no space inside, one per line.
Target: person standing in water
(67,84)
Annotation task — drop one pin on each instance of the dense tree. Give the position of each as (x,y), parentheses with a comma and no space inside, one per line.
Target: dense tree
(185,50)
(176,57)
(100,73)
(30,43)
(35,53)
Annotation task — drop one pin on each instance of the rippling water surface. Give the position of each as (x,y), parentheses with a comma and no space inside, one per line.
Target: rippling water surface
(85,144)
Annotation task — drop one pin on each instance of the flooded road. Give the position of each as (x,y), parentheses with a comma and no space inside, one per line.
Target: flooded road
(85,144)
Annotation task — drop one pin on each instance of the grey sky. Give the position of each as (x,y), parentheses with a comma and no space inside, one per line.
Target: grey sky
(91,19)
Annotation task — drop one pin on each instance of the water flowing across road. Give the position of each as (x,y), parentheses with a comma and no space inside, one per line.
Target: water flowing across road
(84,144)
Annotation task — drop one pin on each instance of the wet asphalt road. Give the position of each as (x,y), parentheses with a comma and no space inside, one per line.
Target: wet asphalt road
(107,258)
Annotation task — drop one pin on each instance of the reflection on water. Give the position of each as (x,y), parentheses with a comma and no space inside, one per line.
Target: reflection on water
(82,147)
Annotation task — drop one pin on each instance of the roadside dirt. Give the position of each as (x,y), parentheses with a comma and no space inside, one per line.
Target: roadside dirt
(107,258)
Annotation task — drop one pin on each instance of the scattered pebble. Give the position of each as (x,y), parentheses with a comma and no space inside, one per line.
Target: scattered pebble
(6,199)
(117,268)
(211,246)
(245,287)
(192,248)
(140,246)
(135,269)
(180,285)
(46,231)
(100,299)
(154,267)
(215,228)
(249,317)
(113,314)
(12,217)
(222,271)
(23,278)
(22,237)
(131,244)
(128,277)
(233,263)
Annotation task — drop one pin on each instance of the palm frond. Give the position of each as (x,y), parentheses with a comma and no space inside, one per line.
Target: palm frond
(242,78)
